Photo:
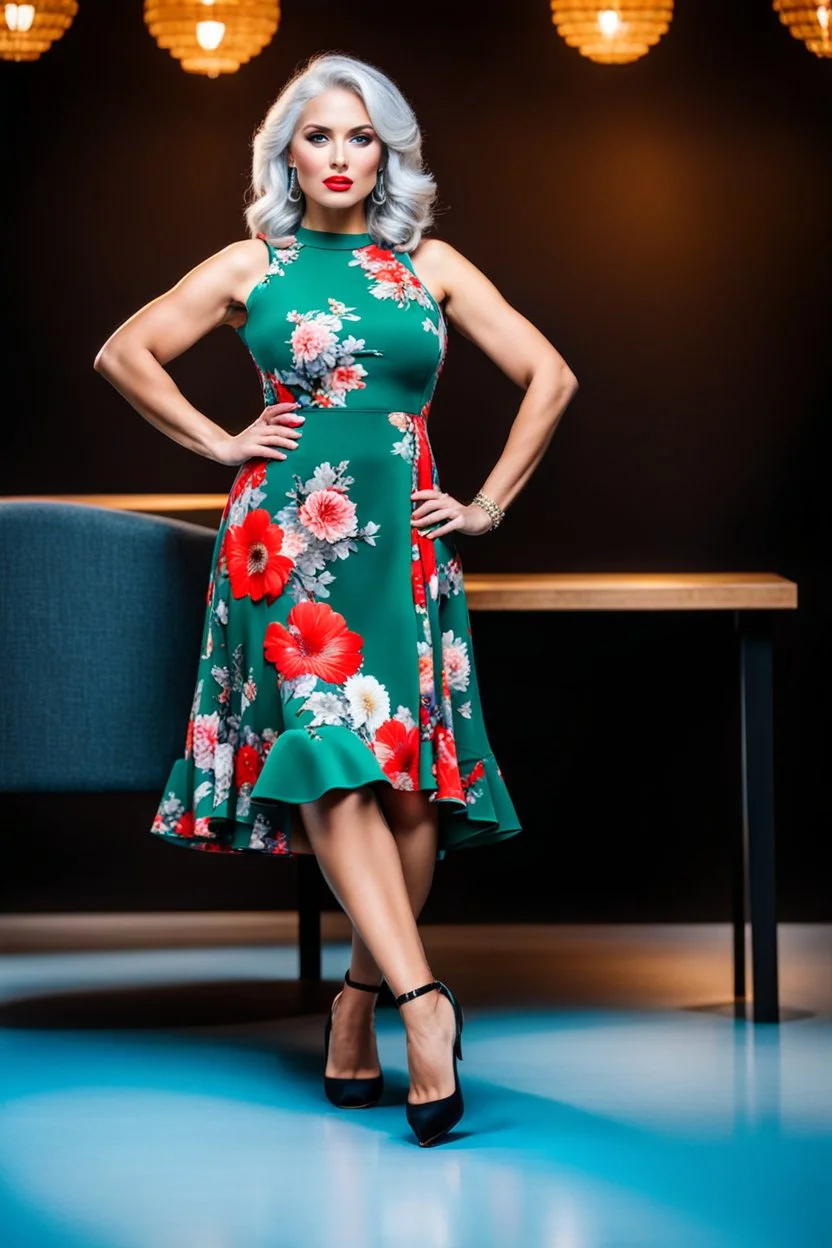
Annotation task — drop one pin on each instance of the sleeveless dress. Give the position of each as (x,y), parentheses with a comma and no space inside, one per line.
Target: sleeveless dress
(337,649)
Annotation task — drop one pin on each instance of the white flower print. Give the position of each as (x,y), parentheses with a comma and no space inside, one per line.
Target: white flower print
(456,661)
(202,791)
(405,714)
(223,771)
(206,729)
(277,266)
(326,708)
(368,700)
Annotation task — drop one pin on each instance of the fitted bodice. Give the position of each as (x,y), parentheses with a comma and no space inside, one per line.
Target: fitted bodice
(339,322)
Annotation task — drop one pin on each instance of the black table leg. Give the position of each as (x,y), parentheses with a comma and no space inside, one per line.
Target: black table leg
(309,917)
(756,700)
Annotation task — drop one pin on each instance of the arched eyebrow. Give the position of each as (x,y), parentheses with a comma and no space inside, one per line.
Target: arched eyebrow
(312,125)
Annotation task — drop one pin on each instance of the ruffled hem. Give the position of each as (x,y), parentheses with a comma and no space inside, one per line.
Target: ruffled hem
(299,767)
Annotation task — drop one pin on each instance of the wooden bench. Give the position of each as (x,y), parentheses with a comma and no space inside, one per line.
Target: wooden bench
(751,597)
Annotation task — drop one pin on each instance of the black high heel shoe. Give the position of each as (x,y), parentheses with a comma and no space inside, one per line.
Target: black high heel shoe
(351,1093)
(431,1120)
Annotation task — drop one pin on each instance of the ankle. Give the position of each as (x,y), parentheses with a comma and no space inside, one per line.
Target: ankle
(423,1013)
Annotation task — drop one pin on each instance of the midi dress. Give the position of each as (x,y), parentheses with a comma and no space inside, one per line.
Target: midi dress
(336,650)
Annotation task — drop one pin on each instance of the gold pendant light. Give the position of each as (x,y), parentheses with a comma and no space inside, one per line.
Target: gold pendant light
(811,23)
(613,33)
(212,37)
(28,30)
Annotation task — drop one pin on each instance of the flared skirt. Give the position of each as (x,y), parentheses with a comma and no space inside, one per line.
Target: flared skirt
(336,650)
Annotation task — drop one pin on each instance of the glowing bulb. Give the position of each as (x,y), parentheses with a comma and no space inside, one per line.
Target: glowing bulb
(19,17)
(209,35)
(609,22)
(823,17)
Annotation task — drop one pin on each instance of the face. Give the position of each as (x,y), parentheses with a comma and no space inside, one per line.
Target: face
(334,138)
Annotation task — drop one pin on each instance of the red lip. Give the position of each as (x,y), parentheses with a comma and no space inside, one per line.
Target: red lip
(338,183)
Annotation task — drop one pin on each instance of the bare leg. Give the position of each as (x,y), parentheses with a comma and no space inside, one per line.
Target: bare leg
(358,857)
(413,820)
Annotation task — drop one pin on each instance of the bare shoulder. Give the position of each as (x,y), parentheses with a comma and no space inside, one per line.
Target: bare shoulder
(244,263)
(441,264)
(431,261)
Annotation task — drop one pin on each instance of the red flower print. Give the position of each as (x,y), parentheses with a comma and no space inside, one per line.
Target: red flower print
(255,565)
(389,277)
(252,473)
(417,580)
(377,255)
(246,765)
(476,773)
(185,826)
(317,641)
(447,768)
(189,737)
(282,394)
(397,749)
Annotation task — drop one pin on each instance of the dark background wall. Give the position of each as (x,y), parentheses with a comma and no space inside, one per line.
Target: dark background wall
(666,225)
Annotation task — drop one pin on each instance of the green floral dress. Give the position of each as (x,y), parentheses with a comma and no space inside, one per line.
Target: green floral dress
(337,646)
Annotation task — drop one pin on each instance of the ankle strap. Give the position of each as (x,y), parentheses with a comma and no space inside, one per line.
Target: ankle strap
(353,983)
(417,992)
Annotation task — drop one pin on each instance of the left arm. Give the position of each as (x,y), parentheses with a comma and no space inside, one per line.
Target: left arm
(474,305)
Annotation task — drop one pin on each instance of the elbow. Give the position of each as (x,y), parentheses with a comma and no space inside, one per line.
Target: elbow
(105,361)
(570,381)
(567,379)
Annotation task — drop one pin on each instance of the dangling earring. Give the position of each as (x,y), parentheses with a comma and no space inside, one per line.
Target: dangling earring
(379,186)
(293,186)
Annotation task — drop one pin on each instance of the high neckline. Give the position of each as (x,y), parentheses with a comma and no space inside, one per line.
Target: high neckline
(331,239)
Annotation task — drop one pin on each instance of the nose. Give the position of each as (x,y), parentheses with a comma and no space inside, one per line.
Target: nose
(339,160)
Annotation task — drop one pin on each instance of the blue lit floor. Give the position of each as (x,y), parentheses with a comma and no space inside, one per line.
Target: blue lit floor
(585,1126)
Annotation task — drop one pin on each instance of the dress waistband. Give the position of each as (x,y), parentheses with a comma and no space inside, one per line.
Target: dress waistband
(345,411)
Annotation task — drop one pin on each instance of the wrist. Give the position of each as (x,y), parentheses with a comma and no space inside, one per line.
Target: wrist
(494,510)
(213,444)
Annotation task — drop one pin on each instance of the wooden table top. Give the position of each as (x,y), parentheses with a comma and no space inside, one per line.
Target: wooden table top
(534,591)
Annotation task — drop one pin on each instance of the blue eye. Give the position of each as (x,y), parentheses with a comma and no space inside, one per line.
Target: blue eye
(318,134)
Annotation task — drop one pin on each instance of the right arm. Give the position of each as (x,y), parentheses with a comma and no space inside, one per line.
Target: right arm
(133,357)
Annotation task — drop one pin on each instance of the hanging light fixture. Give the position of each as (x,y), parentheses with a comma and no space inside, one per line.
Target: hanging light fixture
(613,33)
(212,37)
(811,23)
(28,30)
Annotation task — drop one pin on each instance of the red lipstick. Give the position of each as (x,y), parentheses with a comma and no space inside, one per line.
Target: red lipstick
(338,183)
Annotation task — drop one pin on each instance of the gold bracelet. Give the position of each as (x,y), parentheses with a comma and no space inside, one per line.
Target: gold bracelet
(494,510)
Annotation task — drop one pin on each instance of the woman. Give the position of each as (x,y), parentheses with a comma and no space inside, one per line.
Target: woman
(336,708)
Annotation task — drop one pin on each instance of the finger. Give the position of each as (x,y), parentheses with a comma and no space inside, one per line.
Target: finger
(280,409)
(431,517)
(424,509)
(268,452)
(446,528)
(288,420)
(283,439)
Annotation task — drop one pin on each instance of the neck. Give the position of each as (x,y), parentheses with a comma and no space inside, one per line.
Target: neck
(334,220)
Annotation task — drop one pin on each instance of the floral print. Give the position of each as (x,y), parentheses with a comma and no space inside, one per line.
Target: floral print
(324,368)
(389,278)
(337,644)
(254,556)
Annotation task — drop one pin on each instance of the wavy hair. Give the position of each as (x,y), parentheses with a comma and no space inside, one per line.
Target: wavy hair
(411,190)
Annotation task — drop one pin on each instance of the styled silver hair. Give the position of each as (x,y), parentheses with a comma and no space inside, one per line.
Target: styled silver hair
(411,190)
